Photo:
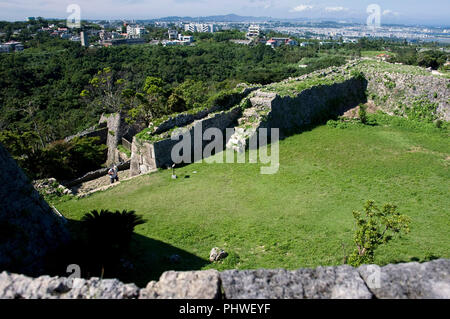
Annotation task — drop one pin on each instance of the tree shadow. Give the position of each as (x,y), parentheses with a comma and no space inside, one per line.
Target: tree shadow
(426,258)
(145,260)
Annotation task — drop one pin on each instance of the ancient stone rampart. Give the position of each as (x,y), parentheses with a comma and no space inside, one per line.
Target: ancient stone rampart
(394,92)
(147,156)
(29,229)
(429,280)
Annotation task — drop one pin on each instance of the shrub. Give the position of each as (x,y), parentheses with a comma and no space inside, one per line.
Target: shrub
(362,113)
(358,75)
(67,160)
(375,227)
(225,99)
(111,230)
(60,159)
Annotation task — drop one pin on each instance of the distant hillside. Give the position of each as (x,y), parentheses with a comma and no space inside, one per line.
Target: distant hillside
(218,18)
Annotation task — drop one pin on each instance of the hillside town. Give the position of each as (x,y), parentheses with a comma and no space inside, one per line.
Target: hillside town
(113,33)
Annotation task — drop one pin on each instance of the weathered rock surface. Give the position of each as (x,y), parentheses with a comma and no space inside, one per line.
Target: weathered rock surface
(29,229)
(395,91)
(184,285)
(319,283)
(411,280)
(14,286)
(51,186)
(217,254)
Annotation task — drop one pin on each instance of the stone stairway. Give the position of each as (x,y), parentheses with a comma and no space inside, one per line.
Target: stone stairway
(252,119)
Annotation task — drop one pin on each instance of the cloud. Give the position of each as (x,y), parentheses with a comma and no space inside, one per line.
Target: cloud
(302,7)
(389,12)
(260,3)
(335,9)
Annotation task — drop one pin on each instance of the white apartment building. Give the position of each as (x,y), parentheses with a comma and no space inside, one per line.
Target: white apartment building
(253,31)
(186,38)
(135,31)
(200,27)
(173,34)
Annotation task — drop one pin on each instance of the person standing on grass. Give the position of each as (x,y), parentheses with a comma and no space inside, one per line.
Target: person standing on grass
(116,170)
(113,174)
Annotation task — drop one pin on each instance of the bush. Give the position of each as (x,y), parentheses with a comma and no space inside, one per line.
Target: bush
(68,160)
(109,233)
(362,113)
(225,99)
(60,159)
(375,227)
(358,75)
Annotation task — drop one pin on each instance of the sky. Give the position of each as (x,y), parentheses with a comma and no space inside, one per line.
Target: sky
(431,12)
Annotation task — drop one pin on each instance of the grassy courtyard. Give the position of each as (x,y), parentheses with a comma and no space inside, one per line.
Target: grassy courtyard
(299,217)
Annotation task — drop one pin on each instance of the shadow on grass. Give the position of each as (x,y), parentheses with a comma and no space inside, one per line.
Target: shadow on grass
(426,258)
(145,260)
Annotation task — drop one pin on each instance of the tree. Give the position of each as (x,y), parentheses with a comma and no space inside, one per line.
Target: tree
(375,227)
(193,92)
(105,91)
(176,103)
(31,110)
(433,59)
(151,102)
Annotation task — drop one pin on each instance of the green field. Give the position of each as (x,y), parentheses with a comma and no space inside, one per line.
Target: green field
(298,217)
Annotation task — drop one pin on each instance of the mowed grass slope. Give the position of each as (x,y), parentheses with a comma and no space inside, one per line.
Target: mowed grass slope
(299,217)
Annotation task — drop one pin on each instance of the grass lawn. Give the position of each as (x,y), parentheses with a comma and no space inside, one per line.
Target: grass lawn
(298,217)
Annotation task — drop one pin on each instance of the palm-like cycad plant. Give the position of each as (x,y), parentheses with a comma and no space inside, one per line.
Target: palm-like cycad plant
(109,231)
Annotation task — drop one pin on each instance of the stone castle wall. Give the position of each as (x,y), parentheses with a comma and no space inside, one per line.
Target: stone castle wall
(101,133)
(29,229)
(391,90)
(429,280)
(147,156)
(316,103)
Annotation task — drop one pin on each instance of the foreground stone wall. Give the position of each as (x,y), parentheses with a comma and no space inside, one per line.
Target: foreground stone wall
(402,281)
(29,229)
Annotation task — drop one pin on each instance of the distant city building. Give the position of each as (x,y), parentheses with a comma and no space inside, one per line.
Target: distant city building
(244,42)
(5,48)
(65,35)
(276,42)
(135,31)
(187,38)
(84,38)
(12,46)
(254,31)
(199,27)
(173,34)
(383,57)
(116,42)
(182,40)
